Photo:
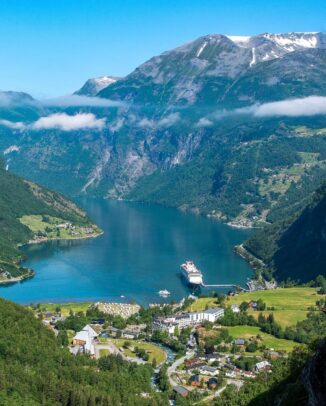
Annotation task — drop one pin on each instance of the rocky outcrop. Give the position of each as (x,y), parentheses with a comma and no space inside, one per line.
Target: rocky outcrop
(314,377)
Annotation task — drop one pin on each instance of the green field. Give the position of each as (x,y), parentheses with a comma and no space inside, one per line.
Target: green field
(48,226)
(268,340)
(290,304)
(153,350)
(202,303)
(66,307)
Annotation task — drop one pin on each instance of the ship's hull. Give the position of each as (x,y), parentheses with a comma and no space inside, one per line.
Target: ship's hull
(193,280)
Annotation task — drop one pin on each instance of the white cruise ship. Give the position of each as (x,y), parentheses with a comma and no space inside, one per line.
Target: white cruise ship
(192,274)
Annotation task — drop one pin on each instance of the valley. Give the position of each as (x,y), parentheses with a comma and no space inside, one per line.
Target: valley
(213,151)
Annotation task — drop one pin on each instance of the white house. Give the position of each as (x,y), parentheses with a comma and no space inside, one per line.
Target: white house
(207,370)
(235,308)
(85,338)
(165,324)
(262,366)
(230,374)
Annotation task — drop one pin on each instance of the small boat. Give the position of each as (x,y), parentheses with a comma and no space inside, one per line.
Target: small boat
(122,296)
(164,293)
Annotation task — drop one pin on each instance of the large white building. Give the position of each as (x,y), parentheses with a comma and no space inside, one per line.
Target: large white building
(85,339)
(183,320)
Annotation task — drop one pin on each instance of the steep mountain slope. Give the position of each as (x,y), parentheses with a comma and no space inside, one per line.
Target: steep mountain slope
(296,247)
(95,85)
(28,211)
(195,116)
(226,72)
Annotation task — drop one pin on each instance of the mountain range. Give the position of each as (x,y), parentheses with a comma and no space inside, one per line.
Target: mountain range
(228,126)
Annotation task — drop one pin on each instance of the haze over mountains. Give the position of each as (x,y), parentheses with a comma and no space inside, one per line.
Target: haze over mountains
(199,127)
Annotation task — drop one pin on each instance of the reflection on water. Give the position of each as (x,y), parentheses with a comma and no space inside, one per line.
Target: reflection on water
(138,255)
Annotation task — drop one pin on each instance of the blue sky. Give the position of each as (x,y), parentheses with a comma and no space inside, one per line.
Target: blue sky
(50,47)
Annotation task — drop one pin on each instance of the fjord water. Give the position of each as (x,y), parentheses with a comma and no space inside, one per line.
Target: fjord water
(138,255)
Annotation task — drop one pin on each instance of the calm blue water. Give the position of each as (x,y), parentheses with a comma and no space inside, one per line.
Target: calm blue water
(138,255)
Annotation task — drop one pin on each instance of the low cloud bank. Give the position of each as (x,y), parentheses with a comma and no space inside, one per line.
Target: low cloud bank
(60,121)
(307,106)
(80,101)
(12,125)
(204,122)
(65,122)
(303,107)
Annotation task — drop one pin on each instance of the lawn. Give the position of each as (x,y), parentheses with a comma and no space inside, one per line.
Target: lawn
(290,304)
(104,352)
(153,350)
(66,307)
(202,303)
(268,340)
(284,318)
(48,226)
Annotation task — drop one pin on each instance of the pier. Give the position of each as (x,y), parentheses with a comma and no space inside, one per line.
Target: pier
(225,286)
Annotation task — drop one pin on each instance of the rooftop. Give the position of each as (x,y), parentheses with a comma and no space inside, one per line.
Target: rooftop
(213,310)
(181,390)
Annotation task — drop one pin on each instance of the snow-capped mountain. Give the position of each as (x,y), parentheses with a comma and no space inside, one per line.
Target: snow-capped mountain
(216,69)
(95,85)
(265,47)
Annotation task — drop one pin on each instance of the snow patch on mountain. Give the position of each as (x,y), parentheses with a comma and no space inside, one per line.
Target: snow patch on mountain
(9,150)
(253,61)
(294,40)
(200,50)
(93,86)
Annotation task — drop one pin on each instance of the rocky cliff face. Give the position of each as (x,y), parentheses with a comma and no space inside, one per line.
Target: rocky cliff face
(314,378)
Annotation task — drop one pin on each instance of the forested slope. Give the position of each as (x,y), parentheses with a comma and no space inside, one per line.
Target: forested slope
(295,247)
(35,370)
(20,198)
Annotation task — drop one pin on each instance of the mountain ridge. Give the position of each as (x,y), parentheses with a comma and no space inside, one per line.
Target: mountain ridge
(189,114)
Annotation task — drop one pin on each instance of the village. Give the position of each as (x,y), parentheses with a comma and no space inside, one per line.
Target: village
(188,340)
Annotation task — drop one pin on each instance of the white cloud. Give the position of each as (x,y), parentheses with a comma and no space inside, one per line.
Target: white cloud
(146,123)
(65,122)
(204,122)
(308,106)
(12,124)
(80,101)
(168,120)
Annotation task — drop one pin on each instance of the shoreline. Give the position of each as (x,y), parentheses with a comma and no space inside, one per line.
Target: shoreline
(18,279)
(41,240)
(251,259)
(32,273)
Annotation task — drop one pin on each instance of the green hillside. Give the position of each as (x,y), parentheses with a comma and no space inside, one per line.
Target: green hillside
(36,370)
(295,247)
(21,202)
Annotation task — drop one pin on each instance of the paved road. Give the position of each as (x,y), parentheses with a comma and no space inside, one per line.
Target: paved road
(175,365)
